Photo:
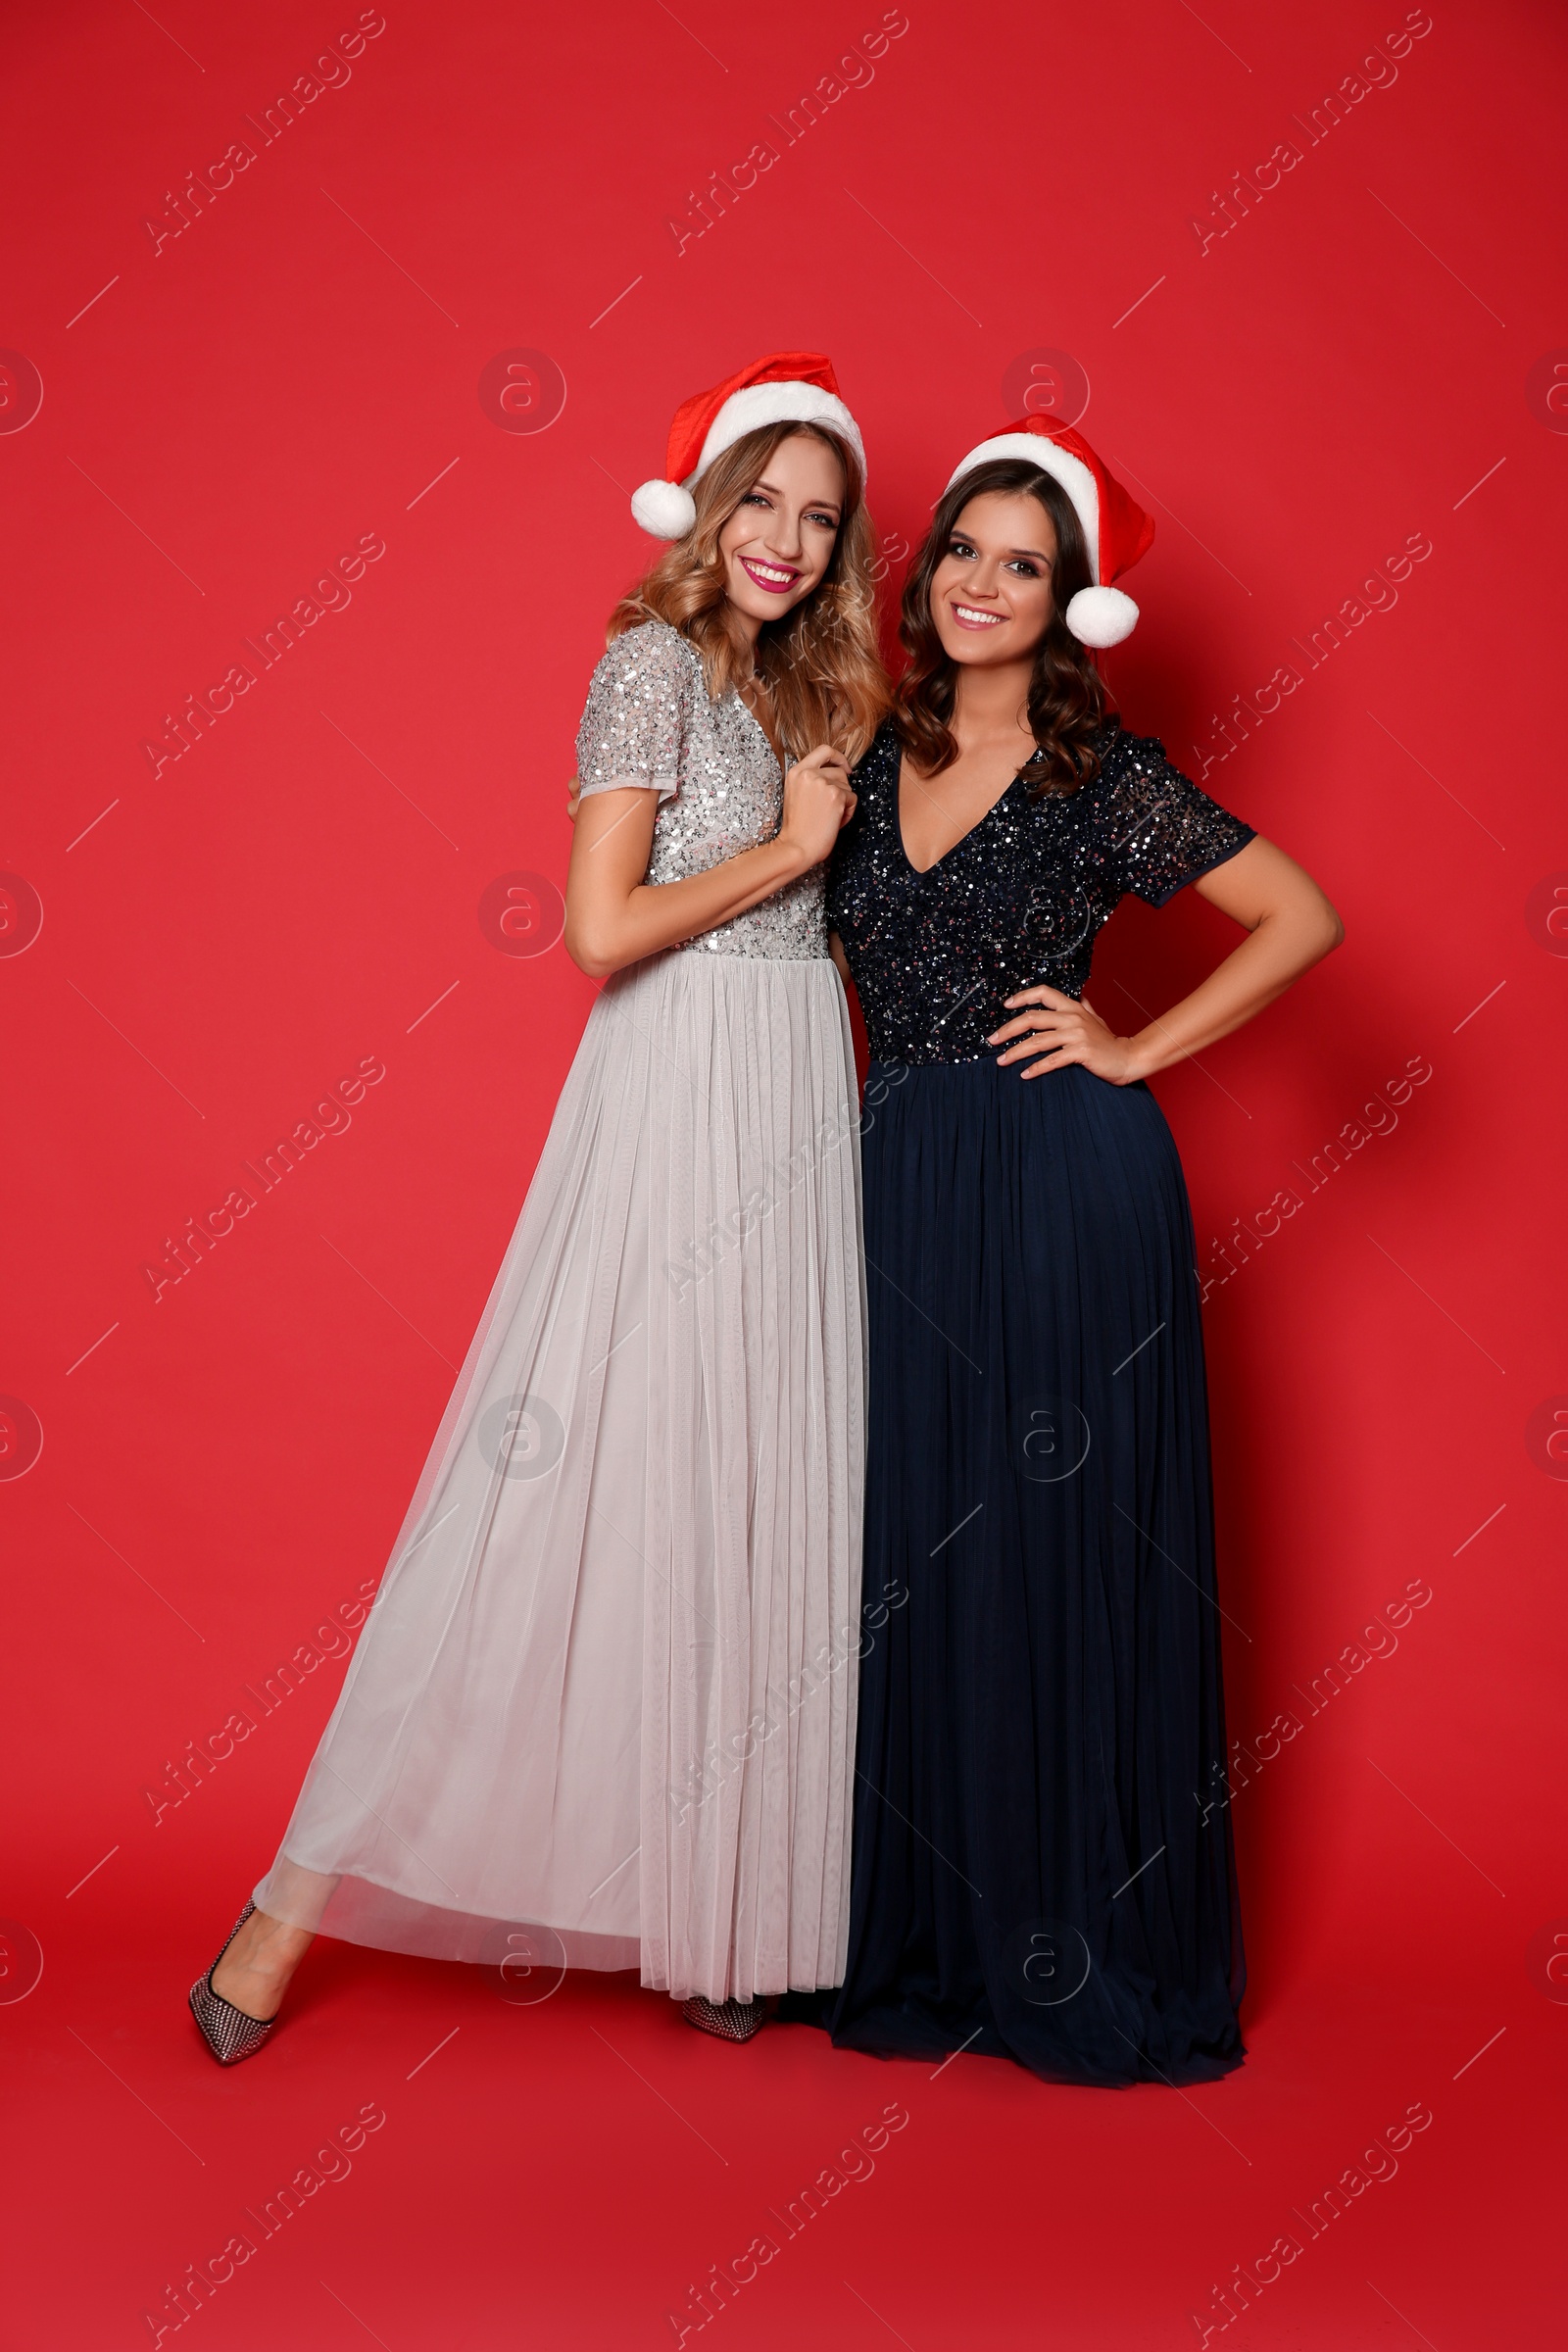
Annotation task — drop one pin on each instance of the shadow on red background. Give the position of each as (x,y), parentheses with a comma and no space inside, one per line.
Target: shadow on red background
(211,390)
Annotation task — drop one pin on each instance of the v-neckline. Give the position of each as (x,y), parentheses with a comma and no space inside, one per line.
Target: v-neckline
(767,741)
(920,871)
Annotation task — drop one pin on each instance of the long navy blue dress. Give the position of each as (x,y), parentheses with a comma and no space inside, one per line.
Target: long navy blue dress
(1042,1862)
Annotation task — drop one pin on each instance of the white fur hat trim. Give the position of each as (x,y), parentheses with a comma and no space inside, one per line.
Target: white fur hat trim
(1070,471)
(668,509)
(756,405)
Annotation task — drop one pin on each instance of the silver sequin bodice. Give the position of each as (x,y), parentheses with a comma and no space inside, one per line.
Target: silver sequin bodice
(649,721)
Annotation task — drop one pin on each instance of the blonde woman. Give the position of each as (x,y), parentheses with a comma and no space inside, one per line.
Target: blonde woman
(602,1712)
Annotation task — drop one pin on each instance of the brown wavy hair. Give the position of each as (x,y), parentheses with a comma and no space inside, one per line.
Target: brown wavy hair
(1068,699)
(820,667)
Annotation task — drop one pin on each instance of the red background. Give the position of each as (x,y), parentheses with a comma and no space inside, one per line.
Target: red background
(1364,357)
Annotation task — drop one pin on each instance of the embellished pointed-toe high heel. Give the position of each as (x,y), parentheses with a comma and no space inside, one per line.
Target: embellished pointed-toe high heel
(727,2021)
(228,2033)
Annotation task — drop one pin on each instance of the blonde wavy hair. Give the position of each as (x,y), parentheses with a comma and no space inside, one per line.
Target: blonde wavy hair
(820,667)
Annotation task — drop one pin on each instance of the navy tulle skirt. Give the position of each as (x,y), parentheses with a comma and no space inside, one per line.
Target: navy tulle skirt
(1043,1863)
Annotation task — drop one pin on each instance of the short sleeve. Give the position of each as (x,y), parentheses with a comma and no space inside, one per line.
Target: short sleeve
(636,712)
(1164,831)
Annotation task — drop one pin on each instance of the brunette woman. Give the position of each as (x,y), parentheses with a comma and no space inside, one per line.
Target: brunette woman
(1043,1859)
(581,1727)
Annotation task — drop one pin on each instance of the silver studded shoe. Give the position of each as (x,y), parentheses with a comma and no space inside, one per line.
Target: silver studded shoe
(728,2021)
(228,2032)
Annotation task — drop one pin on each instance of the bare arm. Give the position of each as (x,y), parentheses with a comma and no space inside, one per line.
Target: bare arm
(613,918)
(1290,926)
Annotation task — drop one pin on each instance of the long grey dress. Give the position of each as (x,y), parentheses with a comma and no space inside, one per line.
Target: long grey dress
(606,1692)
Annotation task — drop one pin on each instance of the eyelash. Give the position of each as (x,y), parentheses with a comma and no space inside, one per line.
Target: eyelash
(961,547)
(754,498)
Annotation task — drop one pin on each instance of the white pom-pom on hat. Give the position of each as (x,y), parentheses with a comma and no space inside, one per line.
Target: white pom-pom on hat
(663,510)
(1101,616)
(787,387)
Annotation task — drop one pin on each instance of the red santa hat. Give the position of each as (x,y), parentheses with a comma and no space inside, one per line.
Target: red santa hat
(1116,528)
(787,387)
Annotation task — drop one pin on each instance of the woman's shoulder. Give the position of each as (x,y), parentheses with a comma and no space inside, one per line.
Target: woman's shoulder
(1124,754)
(879,761)
(637,709)
(650,650)
(1132,769)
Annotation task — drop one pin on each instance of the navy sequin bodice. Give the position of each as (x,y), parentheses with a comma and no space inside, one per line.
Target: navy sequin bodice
(1017,901)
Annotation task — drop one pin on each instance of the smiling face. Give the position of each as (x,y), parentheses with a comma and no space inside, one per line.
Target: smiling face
(991,594)
(780,542)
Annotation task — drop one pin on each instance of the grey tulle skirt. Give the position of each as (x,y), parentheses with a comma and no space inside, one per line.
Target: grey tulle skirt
(607,1693)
